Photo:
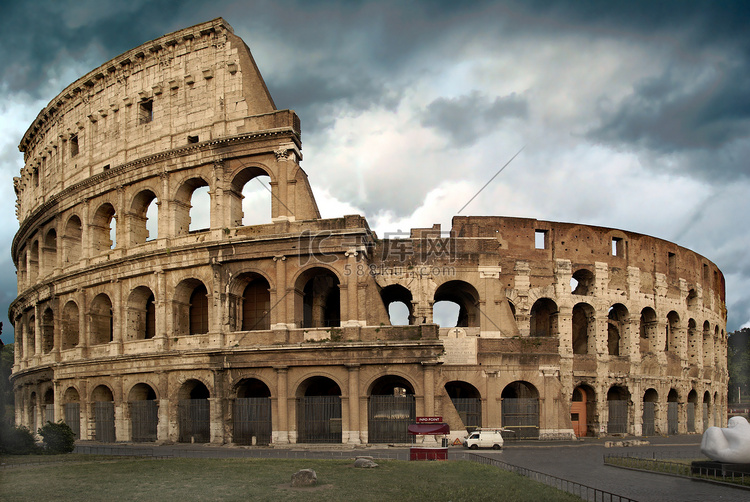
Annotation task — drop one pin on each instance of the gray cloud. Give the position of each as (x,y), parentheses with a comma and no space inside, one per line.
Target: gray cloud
(466,118)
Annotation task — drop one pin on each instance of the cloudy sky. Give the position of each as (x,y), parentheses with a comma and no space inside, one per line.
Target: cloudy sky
(631,114)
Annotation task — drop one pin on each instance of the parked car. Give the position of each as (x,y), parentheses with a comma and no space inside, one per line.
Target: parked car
(485,438)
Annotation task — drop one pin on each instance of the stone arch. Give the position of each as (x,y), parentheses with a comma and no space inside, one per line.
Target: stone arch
(48,405)
(22,267)
(141,314)
(251,412)
(256,304)
(464,295)
(140,209)
(72,409)
(183,204)
(692,300)
(245,196)
(391,409)
(692,408)
(191,308)
(317,301)
(72,241)
(618,405)
(647,330)
(319,411)
(673,412)
(48,330)
(708,345)
(31,333)
(520,409)
(101,320)
(193,412)
(103,410)
(544,318)
(49,251)
(617,325)
(144,413)
(102,227)
(693,342)
(33,261)
(650,409)
(70,325)
(394,295)
(582,282)
(584,329)
(467,401)
(673,332)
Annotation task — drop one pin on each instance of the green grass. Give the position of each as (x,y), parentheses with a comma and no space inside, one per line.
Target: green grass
(79,477)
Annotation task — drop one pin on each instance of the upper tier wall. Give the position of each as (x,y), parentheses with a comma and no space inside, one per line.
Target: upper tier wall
(192,85)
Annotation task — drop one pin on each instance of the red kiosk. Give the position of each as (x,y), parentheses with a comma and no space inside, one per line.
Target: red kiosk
(429,426)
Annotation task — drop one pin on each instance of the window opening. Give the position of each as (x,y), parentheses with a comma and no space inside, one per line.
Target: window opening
(200,209)
(192,139)
(146,111)
(617,246)
(74,145)
(540,239)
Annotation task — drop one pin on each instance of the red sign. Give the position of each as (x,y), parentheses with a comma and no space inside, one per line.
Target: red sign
(429,420)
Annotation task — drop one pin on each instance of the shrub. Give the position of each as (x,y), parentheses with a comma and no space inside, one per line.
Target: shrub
(58,438)
(17,441)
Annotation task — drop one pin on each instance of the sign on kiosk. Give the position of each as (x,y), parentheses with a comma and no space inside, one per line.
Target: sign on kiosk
(429,420)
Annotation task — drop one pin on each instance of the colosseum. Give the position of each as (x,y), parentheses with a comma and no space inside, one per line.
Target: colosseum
(134,324)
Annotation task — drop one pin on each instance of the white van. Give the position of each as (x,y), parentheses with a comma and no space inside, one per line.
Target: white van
(485,438)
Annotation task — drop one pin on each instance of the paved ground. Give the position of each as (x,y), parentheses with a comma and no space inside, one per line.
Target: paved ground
(579,461)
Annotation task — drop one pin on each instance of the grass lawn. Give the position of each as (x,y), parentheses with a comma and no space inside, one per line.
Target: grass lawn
(89,477)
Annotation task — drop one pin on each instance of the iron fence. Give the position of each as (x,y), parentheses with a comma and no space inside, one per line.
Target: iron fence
(389,418)
(194,419)
(319,419)
(144,416)
(104,421)
(252,419)
(521,415)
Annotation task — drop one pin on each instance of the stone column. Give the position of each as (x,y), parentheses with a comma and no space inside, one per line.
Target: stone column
(280,434)
(353,436)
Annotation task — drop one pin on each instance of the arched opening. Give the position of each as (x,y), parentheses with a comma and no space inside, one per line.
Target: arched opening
(708,346)
(34,261)
(706,409)
(144,413)
(72,410)
(144,213)
(544,315)
(141,314)
(617,322)
(31,334)
(583,411)
(692,300)
(391,409)
(650,402)
(256,305)
(192,206)
(103,228)
(617,404)
(193,411)
(398,302)
(694,343)
(584,329)
(191,312)
(468,403)
(33,419)
(318,299)
(48,331)
(251,201)
(318,411)
(70,325)
(647,329)
(48,403)
(692,406)
(22,270)
(101,324)
(462,295)
(49,252)
(520,410)
(72,241)
(582,282)
(673,413)
(198,312)
(252,413)
(673,333)
(104,414)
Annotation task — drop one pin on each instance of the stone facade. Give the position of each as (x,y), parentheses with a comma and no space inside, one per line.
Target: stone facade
(281,333)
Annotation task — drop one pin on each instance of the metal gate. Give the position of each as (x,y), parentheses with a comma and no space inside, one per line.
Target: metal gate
(252,418)
(618,416)
(319,419)
(389,418)
(73,418)
(144,416)
(195,421)
(672,417)
(691,417)
(469,409)
(649,413)
(705,417)
(49,413)
(521,415)
(104,421)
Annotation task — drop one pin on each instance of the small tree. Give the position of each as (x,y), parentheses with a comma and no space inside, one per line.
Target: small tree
(58,438)
(16,440)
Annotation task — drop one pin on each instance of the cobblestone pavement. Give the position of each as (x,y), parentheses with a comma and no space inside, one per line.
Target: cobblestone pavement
(578,461)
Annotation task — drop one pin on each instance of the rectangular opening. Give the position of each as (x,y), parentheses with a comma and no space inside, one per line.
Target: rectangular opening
(74,145)
(146,111)
(106,167)
(192,139)
(672,260)
(540,239)
(706,274)
(617,246)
